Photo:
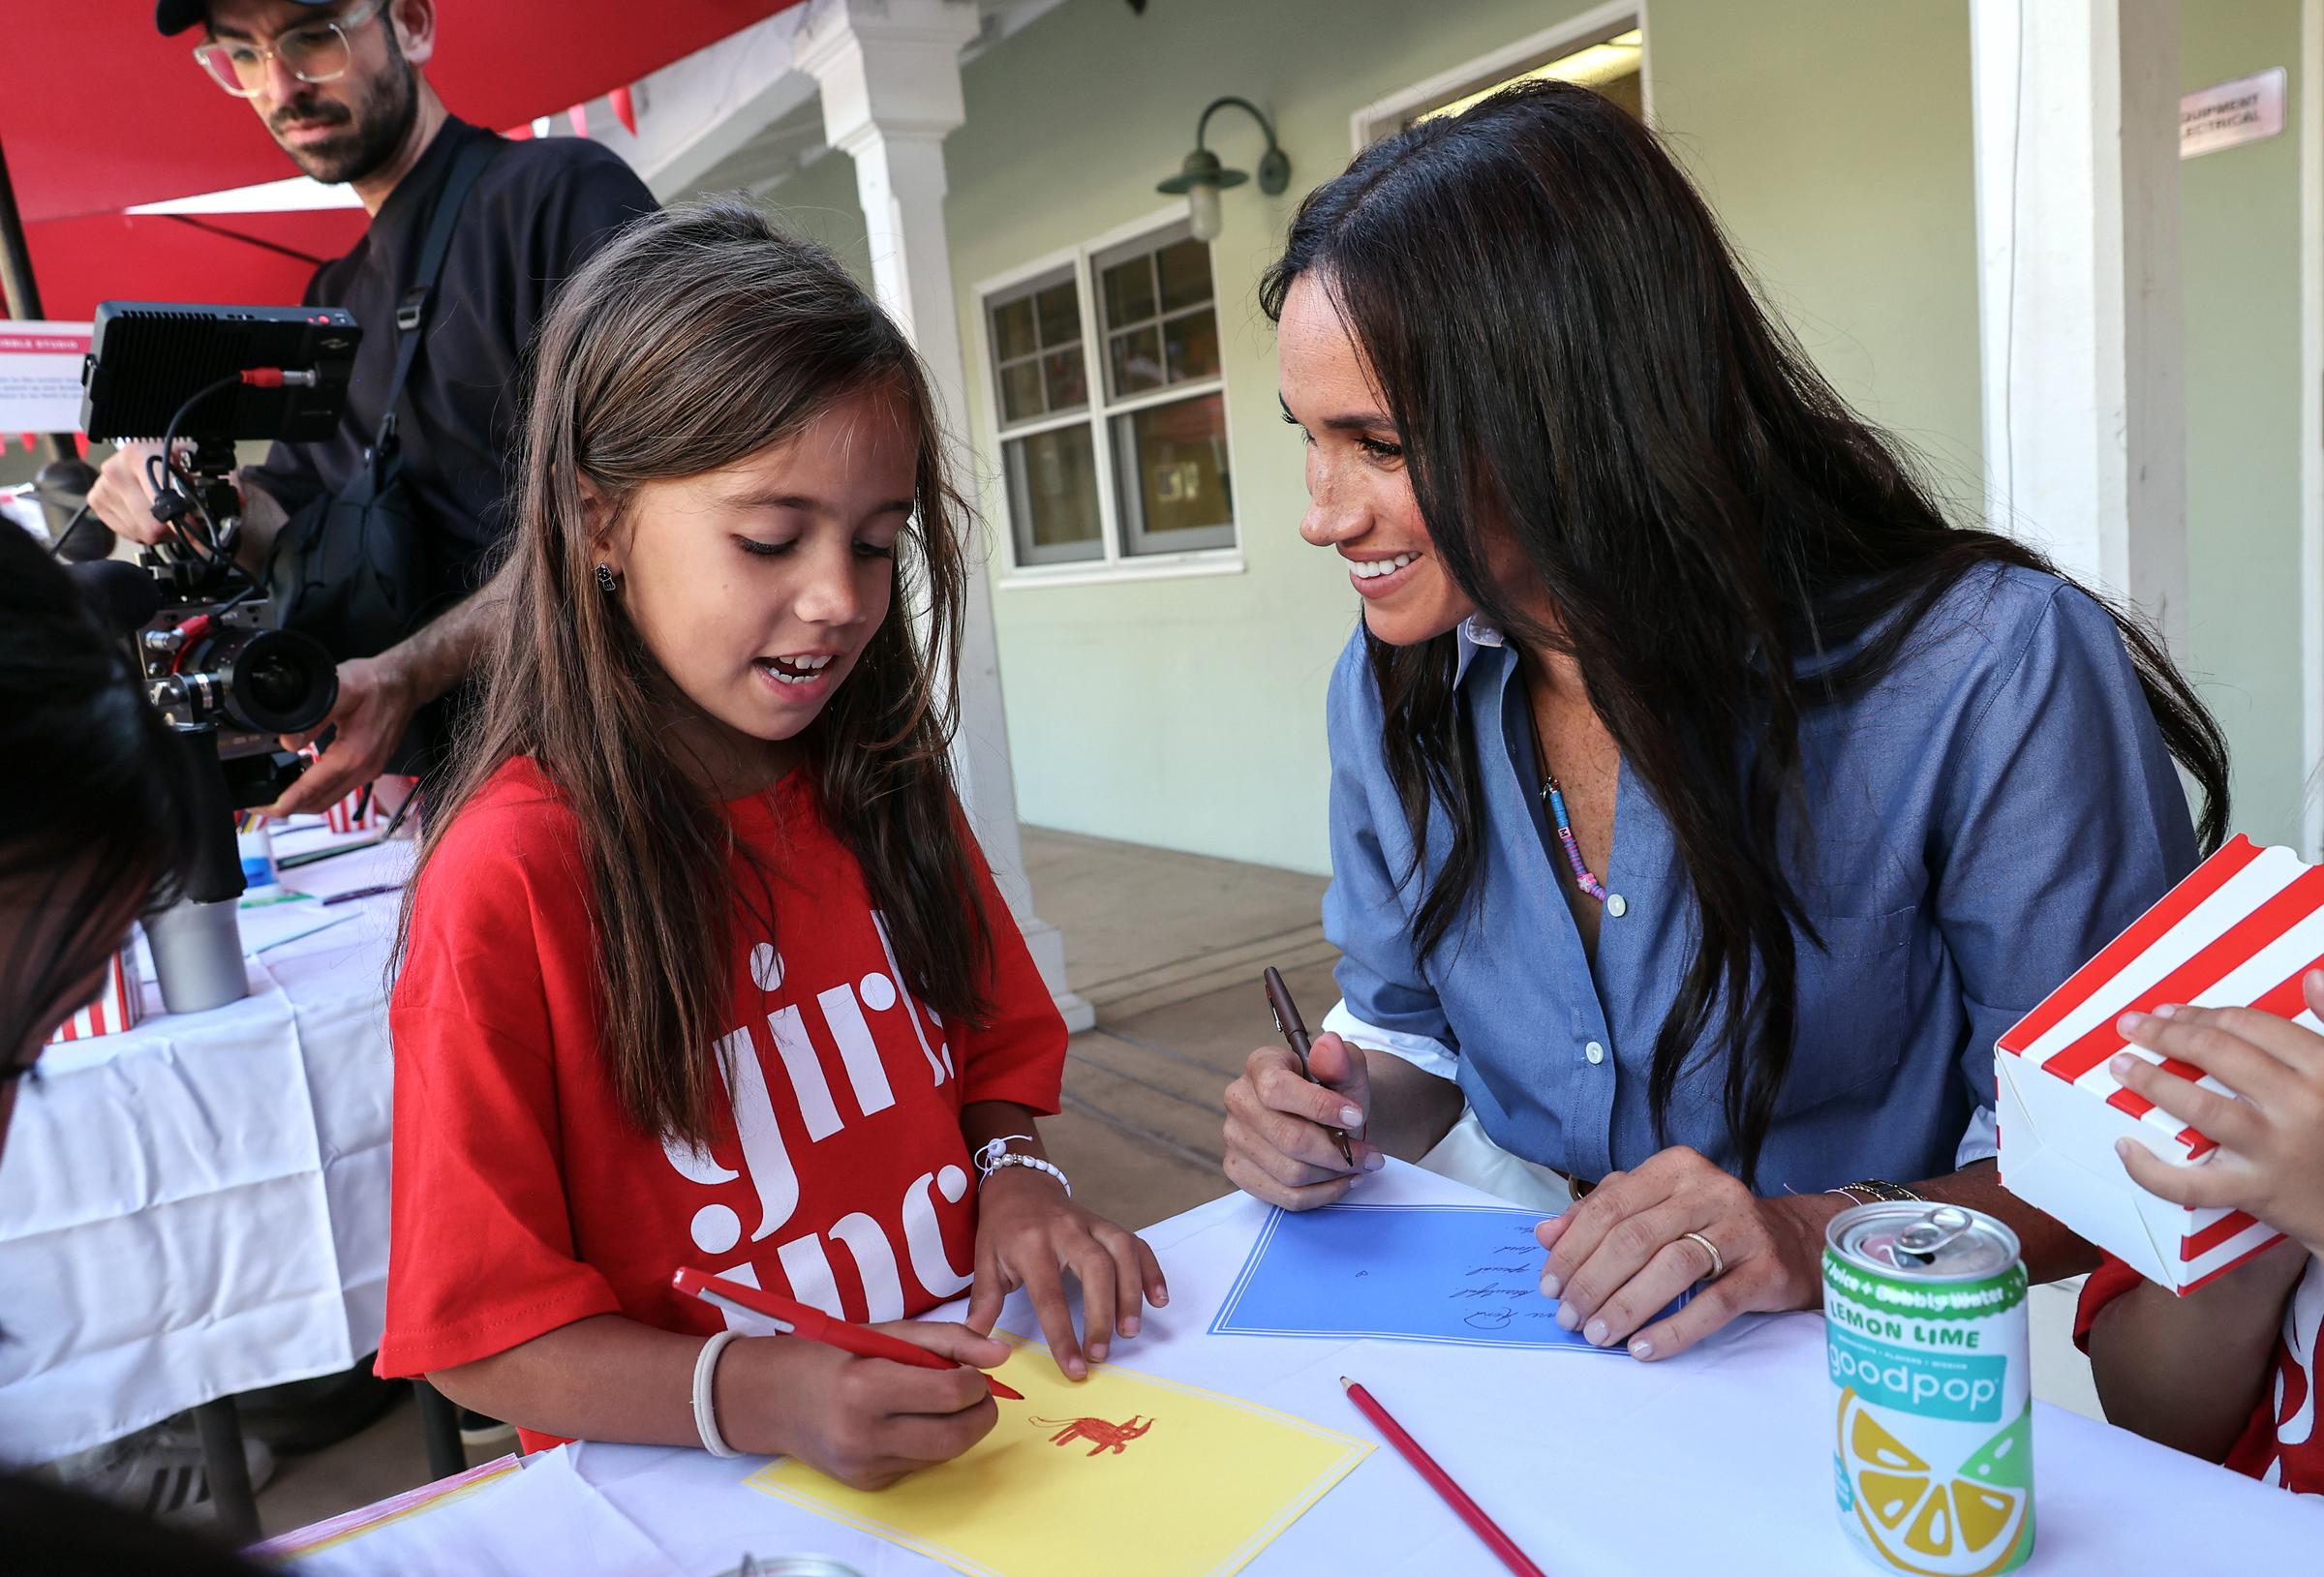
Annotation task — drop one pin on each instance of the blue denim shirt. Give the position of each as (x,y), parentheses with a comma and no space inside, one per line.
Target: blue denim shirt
(1976,825)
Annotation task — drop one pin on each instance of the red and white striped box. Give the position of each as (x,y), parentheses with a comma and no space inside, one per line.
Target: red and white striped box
(356,813)
(117,1008)
(2239,932)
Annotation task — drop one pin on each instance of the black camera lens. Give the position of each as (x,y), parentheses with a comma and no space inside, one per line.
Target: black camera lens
(278,682)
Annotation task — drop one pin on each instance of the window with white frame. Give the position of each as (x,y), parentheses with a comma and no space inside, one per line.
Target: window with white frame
(1111,407)
(1603,49)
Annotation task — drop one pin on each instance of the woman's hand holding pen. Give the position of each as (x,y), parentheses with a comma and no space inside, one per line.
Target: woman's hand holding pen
(1279,1126)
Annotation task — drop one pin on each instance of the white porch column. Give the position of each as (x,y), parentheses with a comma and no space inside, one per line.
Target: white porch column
(890,82)
(2077,182)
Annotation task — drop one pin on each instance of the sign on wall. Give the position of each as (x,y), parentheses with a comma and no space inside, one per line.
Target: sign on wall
(40,376)
(2248,110)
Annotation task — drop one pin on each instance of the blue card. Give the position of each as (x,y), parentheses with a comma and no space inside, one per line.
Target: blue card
(1458,1273)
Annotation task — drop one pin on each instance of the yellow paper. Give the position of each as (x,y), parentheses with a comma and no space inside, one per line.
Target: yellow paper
(1121,1474)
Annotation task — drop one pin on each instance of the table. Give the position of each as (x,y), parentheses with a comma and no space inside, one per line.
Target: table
(1716,1461)
(198,1206)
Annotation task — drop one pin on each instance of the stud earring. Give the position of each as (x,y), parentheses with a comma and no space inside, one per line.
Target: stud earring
(605,581)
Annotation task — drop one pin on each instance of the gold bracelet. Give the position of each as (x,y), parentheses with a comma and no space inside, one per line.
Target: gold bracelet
(1881,1189)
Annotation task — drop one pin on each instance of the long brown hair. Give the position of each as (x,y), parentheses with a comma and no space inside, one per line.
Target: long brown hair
(1568,346)
(695,339)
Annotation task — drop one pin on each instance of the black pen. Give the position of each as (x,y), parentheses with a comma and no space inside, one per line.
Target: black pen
(1294,1031)
(364,892)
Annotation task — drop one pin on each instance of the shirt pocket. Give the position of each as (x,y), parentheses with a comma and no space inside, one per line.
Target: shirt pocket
(1857,997)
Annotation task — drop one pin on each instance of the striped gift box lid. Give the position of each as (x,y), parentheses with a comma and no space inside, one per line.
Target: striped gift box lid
(2239,932)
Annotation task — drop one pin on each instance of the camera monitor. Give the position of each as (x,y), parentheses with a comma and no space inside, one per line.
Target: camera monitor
(147,358)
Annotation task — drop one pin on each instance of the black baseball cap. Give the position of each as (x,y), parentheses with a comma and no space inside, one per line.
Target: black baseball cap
(177,15)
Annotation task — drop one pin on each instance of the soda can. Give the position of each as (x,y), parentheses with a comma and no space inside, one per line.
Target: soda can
(1925,1335)
(790,1565)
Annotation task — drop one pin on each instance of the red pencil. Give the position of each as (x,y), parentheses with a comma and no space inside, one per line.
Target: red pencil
(796,1318)
(1441,1481)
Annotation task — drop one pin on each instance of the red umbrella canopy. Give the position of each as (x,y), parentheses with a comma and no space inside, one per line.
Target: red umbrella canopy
(118,115)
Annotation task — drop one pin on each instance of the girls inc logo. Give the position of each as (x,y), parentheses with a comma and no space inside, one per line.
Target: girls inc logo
(847,1012)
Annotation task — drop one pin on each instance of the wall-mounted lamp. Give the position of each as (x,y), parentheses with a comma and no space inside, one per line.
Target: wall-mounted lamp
(1202,176)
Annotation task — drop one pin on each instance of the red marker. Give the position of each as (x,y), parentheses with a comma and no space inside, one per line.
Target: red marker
(1441,1481)
(795,1319)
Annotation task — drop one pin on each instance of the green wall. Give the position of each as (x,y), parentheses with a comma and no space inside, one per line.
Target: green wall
(1833,138)
(2241,211)
(1188,713)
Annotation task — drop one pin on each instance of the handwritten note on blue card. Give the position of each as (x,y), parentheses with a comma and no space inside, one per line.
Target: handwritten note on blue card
(1465,1274)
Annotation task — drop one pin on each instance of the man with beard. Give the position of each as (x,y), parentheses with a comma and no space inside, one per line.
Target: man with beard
(341,84)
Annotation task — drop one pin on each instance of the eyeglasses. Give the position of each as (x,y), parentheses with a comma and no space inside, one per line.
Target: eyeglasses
(318,52)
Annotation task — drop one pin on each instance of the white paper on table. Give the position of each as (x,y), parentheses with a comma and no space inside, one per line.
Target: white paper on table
(382,864)
(271,925)
(1718,1459)
(545,1519)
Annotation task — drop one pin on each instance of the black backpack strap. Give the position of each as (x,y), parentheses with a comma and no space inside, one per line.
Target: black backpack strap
(412,312)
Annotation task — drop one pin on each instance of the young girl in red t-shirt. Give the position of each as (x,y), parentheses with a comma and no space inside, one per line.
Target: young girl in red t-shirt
(701,966)
(2229,1370)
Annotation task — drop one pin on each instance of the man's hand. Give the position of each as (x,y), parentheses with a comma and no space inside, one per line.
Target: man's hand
(123,497)
(376,697)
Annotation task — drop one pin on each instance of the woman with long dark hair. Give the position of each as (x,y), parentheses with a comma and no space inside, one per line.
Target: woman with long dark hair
(1704,802)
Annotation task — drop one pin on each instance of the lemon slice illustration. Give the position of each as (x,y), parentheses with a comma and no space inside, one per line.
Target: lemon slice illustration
(1969,1524)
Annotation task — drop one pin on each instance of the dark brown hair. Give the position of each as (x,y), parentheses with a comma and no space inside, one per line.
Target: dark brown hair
(1567,346)
(698,337)
(95,810)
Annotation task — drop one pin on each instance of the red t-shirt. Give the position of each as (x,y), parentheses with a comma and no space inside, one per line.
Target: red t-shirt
(2280,1445)
(524,1200)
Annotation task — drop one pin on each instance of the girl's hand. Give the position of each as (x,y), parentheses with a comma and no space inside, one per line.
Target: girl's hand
(866,1422)
(1028,1235)
(1621,1252)
(1279,1143)
(2271,1157)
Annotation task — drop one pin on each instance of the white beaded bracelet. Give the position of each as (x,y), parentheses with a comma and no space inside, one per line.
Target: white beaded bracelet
(990,1158)
(706,1419)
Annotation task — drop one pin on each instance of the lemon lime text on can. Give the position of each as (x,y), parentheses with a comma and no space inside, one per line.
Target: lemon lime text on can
(1925,1333)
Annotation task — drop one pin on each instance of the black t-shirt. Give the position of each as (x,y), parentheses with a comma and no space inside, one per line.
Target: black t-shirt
(535,213)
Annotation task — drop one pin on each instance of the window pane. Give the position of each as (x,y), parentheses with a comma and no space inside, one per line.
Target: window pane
(1052,495)
(1191,346)
(1013,329)
(1059,309)
(1137,361)
(1130,292)
(1021,391)
(1176,490)
(1185,269)
(1068,379)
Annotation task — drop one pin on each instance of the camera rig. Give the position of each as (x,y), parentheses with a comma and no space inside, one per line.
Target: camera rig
(197,379)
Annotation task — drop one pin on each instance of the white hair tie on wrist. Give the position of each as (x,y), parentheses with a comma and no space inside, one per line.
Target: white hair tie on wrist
(706,1417)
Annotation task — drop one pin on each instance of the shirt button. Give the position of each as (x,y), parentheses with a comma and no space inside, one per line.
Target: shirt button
(1594,1052)
(1615,906)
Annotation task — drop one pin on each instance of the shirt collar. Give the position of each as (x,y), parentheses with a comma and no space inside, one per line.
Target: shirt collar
(1475,635)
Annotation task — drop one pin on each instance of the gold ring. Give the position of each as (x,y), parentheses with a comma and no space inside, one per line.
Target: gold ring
(1718,1259)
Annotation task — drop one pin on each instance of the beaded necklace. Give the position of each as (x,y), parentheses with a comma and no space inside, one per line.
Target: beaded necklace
(1582,878)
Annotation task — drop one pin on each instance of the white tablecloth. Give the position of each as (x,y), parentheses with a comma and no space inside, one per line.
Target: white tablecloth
(200,1206)
(1718,1460)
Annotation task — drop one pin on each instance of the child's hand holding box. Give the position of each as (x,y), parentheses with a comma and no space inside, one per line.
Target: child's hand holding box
(2240,932)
